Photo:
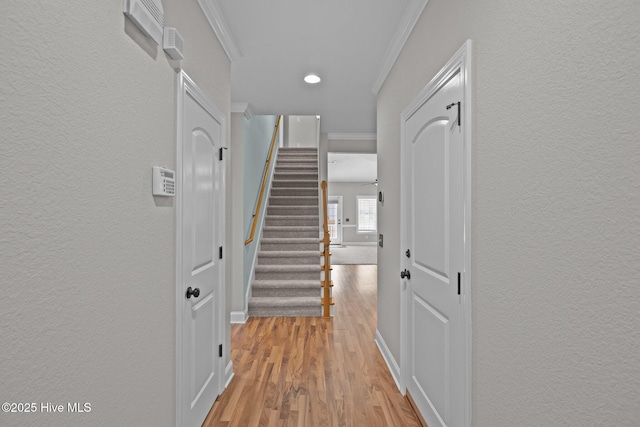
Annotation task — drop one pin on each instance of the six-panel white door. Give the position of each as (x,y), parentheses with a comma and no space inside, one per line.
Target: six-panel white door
(200,275)
(433,175)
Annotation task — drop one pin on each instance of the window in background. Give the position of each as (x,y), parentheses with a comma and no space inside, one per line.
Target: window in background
(367,214)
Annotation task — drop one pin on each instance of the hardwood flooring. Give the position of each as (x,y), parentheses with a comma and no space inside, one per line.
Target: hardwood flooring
(311,371)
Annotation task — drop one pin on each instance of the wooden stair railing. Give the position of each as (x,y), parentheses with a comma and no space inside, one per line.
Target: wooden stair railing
(256,214)
(327,284)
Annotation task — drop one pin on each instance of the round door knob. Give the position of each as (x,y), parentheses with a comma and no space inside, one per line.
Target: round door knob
(193,292)
(405,274)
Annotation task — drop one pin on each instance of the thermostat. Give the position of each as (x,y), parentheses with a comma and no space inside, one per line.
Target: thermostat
(164,182)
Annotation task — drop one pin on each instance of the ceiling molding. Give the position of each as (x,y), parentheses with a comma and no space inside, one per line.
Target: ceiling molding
(409,19)
(352,136)
(214,15)
(244,108)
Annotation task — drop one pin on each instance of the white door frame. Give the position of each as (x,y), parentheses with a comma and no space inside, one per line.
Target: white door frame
(340,212)
(460,61)
(186,86)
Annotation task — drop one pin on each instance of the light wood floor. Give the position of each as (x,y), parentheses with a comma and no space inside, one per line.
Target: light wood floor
(313,372)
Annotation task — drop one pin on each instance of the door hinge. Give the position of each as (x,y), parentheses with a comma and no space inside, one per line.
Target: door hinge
(221,153)
(220,350)
(458,283)
(220,253)
(451,105)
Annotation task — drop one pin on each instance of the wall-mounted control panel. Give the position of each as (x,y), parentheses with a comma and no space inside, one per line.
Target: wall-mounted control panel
(164,182)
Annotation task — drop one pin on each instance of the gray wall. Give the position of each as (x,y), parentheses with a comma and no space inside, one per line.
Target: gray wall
(351,146)
(555,202)
(302,131)
(87,253)
(258,133)
(349,191)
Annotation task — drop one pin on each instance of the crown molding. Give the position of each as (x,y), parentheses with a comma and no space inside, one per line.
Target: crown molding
(244,108)
(217,22)
(407,23)
(352,136)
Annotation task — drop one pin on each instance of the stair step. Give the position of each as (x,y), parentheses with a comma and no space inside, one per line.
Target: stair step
(287,272)
(296,166)
(286,160)
(295,191)
(293,306)
(288,257)
(295,176)
(291,231)
(297,149)
(292,210)
(290,244)
(306,183)
(293,200)
(293,220)
(286,288)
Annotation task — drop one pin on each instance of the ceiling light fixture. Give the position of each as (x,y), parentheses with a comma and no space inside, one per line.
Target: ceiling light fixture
(312,79)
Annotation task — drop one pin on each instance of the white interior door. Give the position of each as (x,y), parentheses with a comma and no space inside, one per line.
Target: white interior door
(334,215)
(200,268)
(434,237)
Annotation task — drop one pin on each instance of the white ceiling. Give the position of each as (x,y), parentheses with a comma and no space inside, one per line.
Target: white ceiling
(350,44)
(352,167)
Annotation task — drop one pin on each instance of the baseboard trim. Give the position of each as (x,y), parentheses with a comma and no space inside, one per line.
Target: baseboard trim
(239,316)
(228,374)
(389,359)
(359,243)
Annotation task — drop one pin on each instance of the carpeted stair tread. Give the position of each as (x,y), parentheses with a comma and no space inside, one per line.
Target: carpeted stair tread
(288,268)
(280,302)
(290,240)
(288,254)
(309,284)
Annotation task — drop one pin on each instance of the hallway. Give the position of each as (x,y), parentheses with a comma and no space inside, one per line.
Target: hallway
(312,371)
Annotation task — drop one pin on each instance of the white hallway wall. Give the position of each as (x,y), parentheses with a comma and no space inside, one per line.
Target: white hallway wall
(556,196)
(87,253)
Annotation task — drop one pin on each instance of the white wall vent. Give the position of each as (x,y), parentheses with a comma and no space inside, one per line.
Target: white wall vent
(173,43)
(148,15)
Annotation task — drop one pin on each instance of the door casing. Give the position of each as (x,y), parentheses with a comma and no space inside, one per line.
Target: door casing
(460,61)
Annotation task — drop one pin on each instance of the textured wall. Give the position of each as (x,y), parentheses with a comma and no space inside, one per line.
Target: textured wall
(87,253)
(556,195)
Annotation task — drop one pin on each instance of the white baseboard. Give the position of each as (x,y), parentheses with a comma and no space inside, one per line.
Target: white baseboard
(359,243)
(239,316)
(388,358)
(228,374)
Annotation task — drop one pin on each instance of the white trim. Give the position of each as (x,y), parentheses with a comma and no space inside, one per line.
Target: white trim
(244,108)
(409,20)
(390,360)
(219,26)
(462,61)
(359,243)
(186,85)
(228,374)
(352,136)
(238,317)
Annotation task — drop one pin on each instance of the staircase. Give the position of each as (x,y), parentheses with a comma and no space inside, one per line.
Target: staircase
(287,274)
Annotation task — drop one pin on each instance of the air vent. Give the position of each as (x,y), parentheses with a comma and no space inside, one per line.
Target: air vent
(147,15)
(173,43)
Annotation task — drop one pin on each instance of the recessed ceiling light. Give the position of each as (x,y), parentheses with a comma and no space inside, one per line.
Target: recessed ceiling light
(312,79)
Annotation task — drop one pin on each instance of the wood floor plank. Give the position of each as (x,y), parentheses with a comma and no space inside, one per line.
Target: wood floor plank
(314,372)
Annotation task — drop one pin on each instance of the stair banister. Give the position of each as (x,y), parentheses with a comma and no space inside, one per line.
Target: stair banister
(327,300)
(264,182)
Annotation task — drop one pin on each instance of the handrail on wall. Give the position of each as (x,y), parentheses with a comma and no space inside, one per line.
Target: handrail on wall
(264,182)
(327,284)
